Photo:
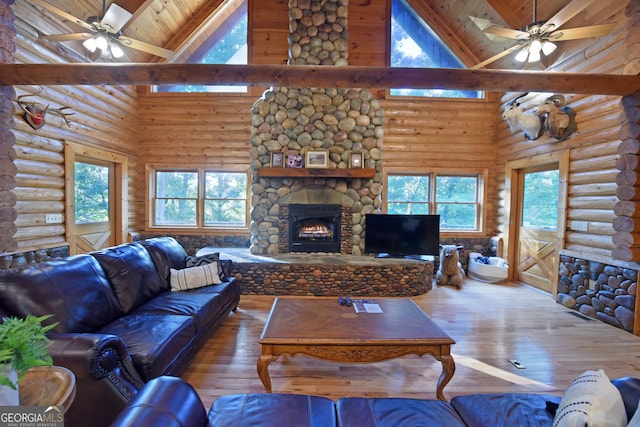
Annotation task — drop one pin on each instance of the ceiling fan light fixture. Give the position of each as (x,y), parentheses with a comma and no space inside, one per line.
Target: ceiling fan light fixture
(90,44)
(548,47)
(116,51)
(102,42)
(534,56)
(522,54)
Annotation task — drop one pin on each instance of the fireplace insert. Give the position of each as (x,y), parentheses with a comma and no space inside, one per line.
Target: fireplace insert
(314,228)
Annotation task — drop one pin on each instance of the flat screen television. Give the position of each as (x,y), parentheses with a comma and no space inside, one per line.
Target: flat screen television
(402,235)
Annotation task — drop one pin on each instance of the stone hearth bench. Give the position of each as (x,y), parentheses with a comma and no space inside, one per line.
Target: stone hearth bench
(304,274)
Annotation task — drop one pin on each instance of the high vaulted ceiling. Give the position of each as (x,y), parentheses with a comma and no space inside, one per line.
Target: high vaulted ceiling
(181,24)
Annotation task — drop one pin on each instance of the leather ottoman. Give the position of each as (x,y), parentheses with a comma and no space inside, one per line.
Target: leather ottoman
(506,409)
(396,412)
(273,409)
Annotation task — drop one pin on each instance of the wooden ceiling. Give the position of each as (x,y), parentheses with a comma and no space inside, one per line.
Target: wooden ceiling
(177,24)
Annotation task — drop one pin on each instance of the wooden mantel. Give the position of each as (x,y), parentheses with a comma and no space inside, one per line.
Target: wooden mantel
(317,172)
(318,76)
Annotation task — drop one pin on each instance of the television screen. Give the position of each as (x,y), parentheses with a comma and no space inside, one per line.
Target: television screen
(402,235)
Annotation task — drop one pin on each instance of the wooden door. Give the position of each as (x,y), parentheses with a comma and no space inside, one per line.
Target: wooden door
(94,205)
(95,193)
(537,205)
(538,241)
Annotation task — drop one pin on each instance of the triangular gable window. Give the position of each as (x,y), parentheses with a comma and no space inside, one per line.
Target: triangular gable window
(227,44)
(415,45)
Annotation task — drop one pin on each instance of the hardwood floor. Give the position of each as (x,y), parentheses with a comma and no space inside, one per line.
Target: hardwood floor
(491,324)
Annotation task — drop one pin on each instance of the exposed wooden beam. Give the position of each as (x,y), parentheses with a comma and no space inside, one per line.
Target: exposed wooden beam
(317,76)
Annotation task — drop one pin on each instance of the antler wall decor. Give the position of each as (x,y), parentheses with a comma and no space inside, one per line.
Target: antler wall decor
(34,113)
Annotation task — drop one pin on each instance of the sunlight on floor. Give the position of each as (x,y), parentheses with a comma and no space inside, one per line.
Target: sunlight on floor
(487,369)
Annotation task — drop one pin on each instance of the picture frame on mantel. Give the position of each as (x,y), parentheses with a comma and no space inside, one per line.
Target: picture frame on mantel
(277,159)
(318,159)
(356,160)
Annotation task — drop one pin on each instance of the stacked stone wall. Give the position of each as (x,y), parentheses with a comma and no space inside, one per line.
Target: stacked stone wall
(604,292)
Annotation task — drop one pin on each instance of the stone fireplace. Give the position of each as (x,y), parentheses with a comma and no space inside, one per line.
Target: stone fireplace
(314,228)
(292,121)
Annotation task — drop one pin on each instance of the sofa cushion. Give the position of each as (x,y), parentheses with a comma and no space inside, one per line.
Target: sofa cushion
(591,400)
(395,412)
(629,388)
(272,410)
(132,274)
(205,305)
(74,289)
(166,253)
(195,261)
(506,409)
(153,340)
(194,277)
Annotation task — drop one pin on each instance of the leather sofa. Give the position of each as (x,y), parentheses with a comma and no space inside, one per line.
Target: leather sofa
(169,401)
(120,324)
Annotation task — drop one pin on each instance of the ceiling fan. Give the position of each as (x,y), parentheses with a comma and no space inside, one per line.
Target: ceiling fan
(103,33)
(539,36)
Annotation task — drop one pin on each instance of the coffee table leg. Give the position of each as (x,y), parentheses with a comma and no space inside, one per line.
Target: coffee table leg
(263,371)
(448,369)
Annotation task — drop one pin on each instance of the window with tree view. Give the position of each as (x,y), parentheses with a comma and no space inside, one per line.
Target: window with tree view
(415,45)
(91,193)
(227,44)
(540,199)
(199,198)
(455,198)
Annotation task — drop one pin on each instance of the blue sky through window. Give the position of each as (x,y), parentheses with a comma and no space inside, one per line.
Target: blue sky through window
(415,45)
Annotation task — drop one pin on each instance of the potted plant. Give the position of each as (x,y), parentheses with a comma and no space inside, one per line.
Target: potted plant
(23,345)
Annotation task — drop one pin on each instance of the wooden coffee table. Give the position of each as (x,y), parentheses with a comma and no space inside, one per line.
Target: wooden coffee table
(322,328)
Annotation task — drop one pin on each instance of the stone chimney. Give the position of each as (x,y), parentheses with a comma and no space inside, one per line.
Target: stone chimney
(295,120)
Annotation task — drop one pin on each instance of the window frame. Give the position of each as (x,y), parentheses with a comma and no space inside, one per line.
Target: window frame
(223,15)
(482,183)
(456,53)
(200,225)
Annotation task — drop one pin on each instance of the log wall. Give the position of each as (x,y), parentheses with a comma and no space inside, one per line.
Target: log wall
(103,117)
(213,130)
(420,134)
(593,149)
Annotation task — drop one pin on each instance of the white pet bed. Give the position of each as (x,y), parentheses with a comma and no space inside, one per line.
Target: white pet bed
(495,271)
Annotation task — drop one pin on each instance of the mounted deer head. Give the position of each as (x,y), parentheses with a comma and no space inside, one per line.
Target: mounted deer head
(34,113)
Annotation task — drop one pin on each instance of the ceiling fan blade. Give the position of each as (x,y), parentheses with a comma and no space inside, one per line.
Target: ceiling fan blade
(496,32)
(63,14)
(146,47)
(507,33)
(498,56)
(566,13)
(66,37)
(115,18)
(582,32)
(481,23)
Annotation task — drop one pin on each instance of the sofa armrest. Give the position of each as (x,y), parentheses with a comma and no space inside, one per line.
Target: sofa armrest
(629,388)
(164,401)
(94,356)
(106,379)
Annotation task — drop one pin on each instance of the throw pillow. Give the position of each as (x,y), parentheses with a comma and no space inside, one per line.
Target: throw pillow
(194,277)
(591,400)
(195,261)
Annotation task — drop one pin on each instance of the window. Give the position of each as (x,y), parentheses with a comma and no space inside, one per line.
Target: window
(540,204)
(415,45)
(226,43)
(199,198)
(456,198)
(91,192)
